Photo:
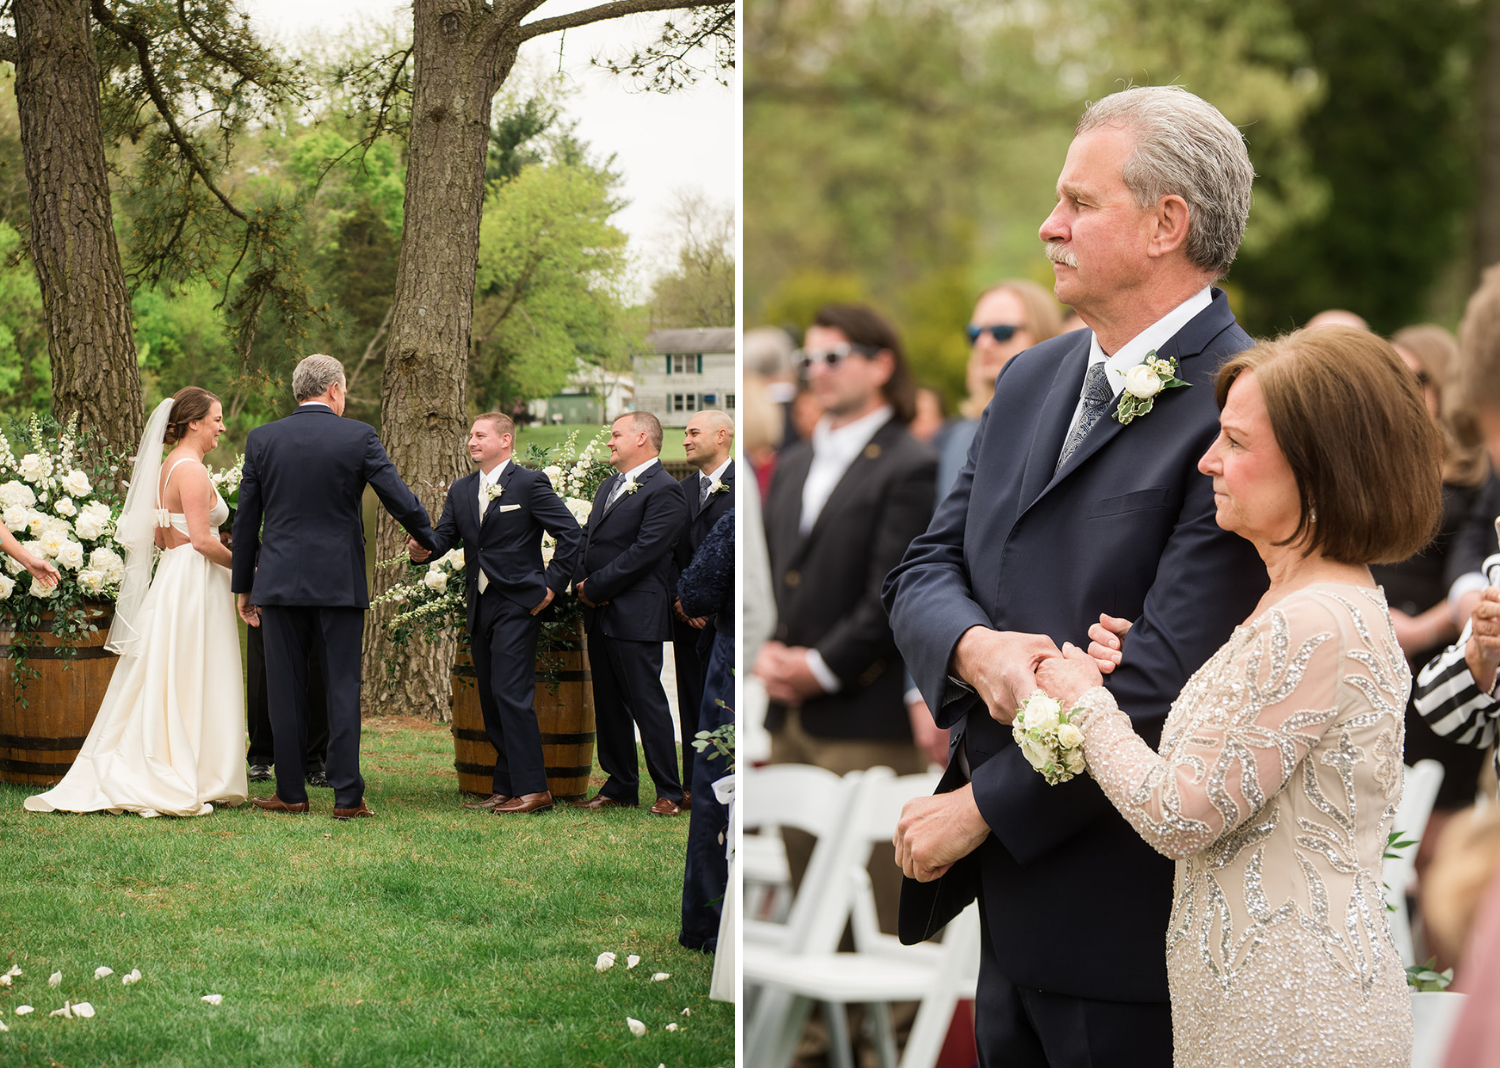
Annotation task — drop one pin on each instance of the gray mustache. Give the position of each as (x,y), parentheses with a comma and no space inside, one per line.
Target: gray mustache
(1060,254)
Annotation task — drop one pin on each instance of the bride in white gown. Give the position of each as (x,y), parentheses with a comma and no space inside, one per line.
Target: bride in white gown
(170,734)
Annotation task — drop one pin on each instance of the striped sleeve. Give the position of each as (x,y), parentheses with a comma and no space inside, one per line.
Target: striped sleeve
(1451,702)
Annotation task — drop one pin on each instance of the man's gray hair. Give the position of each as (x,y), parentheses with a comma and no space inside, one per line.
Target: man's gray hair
(1184,146)
(314,375)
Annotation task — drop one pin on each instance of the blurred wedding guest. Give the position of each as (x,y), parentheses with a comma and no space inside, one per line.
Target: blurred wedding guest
(1417,588)
(931,415)
(806,410)
(768,355)
(760,427)
(1461,912)
(1009,317)
(843,508)
(705,589)
(1337,317)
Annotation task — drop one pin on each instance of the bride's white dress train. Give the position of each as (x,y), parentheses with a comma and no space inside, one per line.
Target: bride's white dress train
(170,735)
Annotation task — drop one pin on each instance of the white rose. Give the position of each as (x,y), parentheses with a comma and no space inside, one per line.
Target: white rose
(453,559)
(1034,754)
(52,542)
(1074,760)
(553,473)
(88,528)
(70,555)
(108,563)
(38,523)
(13,565)
(437,581)
(91,581)
(38,590)
(1042,712)
(16,517)
(7,586)
(76,484)
(13,493)
(65,506)
(1142,381)
(32,468)
(1069,736)
(580,509)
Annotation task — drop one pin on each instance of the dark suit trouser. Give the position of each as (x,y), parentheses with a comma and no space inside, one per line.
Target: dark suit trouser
(258,705)
(289,637)
(690,670)
(627,690)
(1023,1027)
(504,649)
(705,873)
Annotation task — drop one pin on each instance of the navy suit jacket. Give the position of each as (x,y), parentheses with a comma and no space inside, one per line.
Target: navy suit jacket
(699,523)
(507,543)
(304,478)
(627,558)
(1125,527)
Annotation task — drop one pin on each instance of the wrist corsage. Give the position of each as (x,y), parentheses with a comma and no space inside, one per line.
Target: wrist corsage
(1048,737)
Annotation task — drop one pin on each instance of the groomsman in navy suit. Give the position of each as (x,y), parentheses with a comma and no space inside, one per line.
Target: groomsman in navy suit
(1063,512)
(301,513)
(625,583)
(708,441)
(499,514)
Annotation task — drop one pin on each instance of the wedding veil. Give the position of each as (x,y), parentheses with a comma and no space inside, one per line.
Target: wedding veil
(135,532)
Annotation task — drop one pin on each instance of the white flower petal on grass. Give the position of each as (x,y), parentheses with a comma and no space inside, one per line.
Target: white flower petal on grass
(84,1009)
(132,976)
(213,999)
(22,1010)
(5,979)
(659,976)
(66,1011)
(671,1027)
(631,961)
(686,1012)
(636,1027)
(3,1027)
(14,970)
(103,970)
(55,979)
(605,962)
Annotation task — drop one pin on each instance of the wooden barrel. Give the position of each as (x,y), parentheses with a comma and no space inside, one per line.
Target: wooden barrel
(40,739)
(565,719)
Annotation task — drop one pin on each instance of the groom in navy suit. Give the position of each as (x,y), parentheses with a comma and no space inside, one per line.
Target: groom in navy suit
(300,510)
(1061,513)
(499,514)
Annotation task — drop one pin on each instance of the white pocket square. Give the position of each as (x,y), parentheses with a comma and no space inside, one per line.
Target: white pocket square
(509,507)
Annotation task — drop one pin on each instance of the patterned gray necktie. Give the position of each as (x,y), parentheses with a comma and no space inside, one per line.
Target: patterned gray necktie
(703,485)
(1097,398)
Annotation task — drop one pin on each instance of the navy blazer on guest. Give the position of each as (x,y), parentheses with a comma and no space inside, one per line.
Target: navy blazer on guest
(1126,527)
(507,543)
(300,508)
(699,522)
(627,558)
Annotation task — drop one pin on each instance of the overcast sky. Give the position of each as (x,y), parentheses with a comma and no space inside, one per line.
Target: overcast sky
(687,140)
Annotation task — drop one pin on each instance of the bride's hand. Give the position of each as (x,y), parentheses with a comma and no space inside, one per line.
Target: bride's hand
(41,570)
(1107,641)
(1067,677)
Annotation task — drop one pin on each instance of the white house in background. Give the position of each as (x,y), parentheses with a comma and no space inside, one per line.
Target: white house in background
(685,371)
(591,395)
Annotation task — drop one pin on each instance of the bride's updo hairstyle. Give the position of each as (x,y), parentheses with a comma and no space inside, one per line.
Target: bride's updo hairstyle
(1351,421)
(189,404)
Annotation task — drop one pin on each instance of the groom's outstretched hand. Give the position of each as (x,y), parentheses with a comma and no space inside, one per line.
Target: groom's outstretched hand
(1001,666)
(415,551)
(248,612)
(936,832)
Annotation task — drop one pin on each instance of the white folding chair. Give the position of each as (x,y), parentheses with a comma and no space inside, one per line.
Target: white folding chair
(1418,794)
(813,931)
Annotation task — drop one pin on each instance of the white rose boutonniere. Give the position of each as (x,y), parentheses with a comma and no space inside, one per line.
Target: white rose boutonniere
(630,486)
(1142,383)
(715,486)
(492,492)
(1049,740)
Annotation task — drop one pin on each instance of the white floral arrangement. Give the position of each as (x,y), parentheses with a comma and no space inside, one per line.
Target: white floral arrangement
(432,594)
(1142,383)
(226,482)
(1050,741)
(57,512)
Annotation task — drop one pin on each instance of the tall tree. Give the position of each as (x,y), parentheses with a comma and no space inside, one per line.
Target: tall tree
(698,290)
(72,223)
(461,54)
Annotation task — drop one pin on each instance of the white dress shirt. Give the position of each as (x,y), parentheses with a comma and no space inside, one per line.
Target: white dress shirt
(1133,352)
(485,482)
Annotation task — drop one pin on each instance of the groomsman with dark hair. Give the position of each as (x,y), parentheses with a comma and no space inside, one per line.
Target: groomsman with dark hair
(499,514)
(625,583)
(708,441)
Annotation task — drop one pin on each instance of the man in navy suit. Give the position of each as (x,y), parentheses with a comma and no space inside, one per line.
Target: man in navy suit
(300,510)
(1061,513)
(625,581)
(499,514)
(708,442)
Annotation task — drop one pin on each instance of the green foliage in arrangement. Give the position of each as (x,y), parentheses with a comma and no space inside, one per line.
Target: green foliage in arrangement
(430,935)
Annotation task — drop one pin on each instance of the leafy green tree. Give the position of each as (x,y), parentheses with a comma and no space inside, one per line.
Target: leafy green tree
(25,373)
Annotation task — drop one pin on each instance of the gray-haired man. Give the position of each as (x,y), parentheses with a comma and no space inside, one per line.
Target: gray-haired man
(303,481)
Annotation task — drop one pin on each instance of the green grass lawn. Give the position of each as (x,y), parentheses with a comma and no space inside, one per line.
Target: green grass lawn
(548,436)
(430,935)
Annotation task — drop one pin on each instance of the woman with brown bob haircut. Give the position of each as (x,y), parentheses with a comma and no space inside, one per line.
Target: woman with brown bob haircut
(1279,768)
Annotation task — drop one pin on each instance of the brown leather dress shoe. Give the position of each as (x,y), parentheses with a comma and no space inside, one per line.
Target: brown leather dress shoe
(276,804)
(599,801)
(687,800)
(665,807)
(541,802)
(489,804)
(360,812)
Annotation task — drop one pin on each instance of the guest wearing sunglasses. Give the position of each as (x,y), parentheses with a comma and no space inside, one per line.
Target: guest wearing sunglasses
(1009,317)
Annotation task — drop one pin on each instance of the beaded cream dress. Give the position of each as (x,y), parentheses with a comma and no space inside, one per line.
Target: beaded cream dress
(1274,789)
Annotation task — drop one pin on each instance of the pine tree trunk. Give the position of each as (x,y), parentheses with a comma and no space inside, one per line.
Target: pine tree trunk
(460,61)
(73,245)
